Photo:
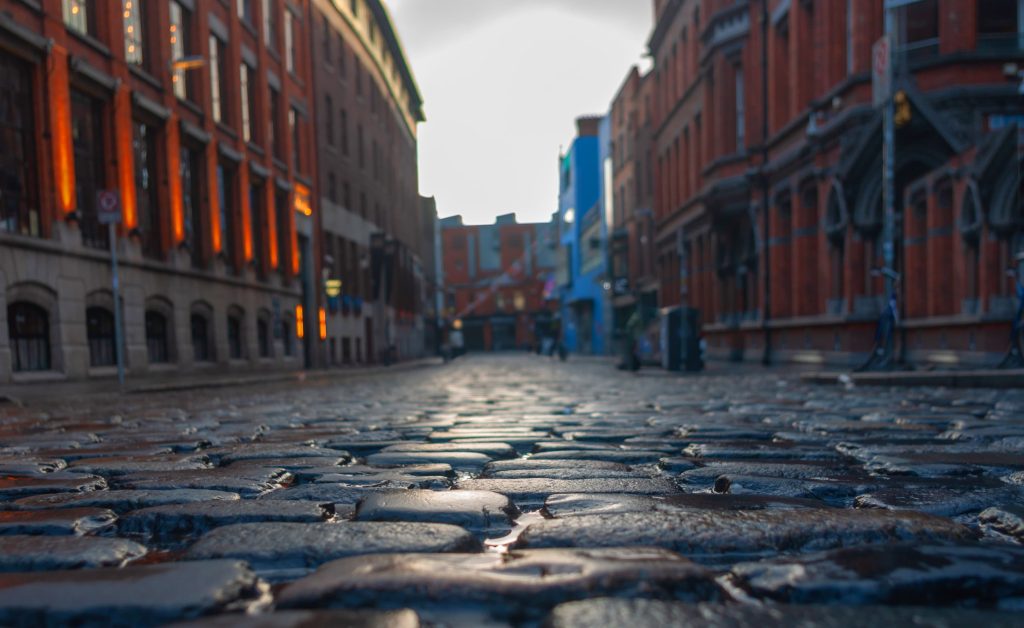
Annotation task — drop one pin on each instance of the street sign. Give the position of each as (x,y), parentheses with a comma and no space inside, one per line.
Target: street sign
(108,207)
(881,70)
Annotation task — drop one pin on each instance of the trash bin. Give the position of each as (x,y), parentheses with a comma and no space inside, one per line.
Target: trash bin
(671,338)
(692,358)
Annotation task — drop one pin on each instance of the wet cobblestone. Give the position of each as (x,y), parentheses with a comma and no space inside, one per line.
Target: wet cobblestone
(516,491)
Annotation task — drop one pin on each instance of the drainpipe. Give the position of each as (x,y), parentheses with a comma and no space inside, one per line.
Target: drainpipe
(766,358)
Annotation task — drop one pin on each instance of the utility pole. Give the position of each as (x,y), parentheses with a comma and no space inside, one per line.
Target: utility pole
(889,170)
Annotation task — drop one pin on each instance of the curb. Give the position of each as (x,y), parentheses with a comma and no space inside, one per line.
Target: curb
(947,379)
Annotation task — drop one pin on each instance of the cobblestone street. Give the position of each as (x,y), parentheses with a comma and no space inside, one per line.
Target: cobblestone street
(514,490)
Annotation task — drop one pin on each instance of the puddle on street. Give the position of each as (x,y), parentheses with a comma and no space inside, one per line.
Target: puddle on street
(502,545)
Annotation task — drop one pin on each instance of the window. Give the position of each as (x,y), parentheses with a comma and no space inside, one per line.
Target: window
(361,145)
(157,342)
(287,335)
(329,117)
(28,328)
(180,38)
(226,219)
(269,24)
(342,57)
(263,336)
(999,25)
(189,177)
(99,326)
(346,195)
(849,37)
(256,224)
(87,138)
(741,126)
(359,78)
(248,96)
(235,348)
(202,347)
(294,129)
(145,149)
(919,29)
(245,12)
(332,188)
(328,35)
(354,6)
(284,229)
(344,132)
(134,32)
(80,16)
(217,76)
(19,204)
(289,41)
(274,116)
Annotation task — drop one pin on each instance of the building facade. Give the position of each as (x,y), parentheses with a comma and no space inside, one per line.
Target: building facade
(495,278)
(374,239)
(768,177)
(630,215)
(196,115)
(583,236)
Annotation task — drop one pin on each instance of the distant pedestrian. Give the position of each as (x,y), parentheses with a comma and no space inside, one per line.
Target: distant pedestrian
(631,346)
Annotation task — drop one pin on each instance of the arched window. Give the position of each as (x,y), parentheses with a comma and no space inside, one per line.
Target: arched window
(202,347)
(28,327)
(235,344)
(157,342)
(99,327)
(263,336)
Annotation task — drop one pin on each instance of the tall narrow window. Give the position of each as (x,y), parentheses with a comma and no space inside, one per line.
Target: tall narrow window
(157,338)
(235,348)
(256,207)
(245,93)
(145,149)
(289,41)
(99,327)
(28,328)
(79,16)
(270,24)
(215,78)
(180,38)
(226,219)
(361,145)
(245,12)
(274,115)
(741,124)
(284,229)
(328,36)
(344,132)
(190,175)
(296,136)
(87,137)
(919,23)
(133,31)
(329,118)
(19,204)
(202,345)
(342,58)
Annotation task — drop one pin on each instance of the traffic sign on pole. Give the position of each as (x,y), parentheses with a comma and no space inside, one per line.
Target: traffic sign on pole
(881,70)
(108,207)
(108,212)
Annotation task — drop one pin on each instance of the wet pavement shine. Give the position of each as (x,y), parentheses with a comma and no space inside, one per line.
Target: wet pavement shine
(516,491)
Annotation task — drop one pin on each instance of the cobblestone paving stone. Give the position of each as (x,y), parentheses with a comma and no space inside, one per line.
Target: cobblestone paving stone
(516,491)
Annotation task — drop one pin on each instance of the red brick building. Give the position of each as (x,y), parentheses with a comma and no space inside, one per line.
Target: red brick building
(768,175)
(198,112)
(631,217)
(373,238)
(496,277)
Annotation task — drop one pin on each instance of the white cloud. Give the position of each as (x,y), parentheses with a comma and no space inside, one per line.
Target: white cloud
(503,83)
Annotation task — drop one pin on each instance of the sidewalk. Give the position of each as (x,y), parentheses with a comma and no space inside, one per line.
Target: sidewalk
(27,394)
(950,379)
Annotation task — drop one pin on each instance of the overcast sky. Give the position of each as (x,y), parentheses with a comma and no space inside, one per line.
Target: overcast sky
(503,82)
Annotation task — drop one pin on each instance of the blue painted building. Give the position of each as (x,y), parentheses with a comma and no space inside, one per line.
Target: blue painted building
(583,237)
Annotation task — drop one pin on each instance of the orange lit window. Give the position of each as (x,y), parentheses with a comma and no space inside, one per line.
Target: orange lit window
(323,324)
(300,322)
